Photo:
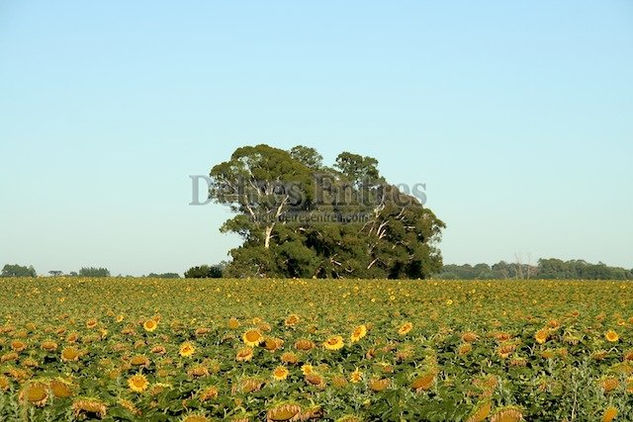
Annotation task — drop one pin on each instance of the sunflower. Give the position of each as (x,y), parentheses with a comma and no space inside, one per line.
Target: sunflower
(284,412)
(292,320)
(464,348)
(139,360)
(233,323)
(198,371)
(334,343)
(507,414)
(4,383)
(424,382)
(315,379)
(8,357)
(307,369)
(35,393)
(252,338)
(137,383)
(541,336)
(30,362)
(244,354)
(304,344)
(280,373)
(339,381)
(609,414)
(273,343)
(187,349)
(379,384)
(290,358)
(159,349)
(61,388)
(88,407)
(612,336)
(49,345)
(129,406)
(209,393)
(609,384)
(150,325)
(469,337)
(195,417)
(356,376)
(405,328)
(18,345)
(69,354)
(358,333)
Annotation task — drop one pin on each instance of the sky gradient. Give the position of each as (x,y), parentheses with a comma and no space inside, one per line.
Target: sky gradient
(517,115)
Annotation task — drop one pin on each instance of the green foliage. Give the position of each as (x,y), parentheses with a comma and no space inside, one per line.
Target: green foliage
(578,269)
(548,269)
(94,272)
(16,270)
(163,275)
(204,271)
(299,218)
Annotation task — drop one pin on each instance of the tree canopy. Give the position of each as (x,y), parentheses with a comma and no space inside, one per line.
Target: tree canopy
(94,272)
(300,218)
(15,270)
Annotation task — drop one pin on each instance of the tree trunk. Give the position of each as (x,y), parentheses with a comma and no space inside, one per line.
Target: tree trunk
(268,234)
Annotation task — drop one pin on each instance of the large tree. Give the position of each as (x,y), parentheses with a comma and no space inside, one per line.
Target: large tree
(299,218)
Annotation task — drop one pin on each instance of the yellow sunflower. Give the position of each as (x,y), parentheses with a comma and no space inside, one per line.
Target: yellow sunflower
(69,354)
(358,333)
(252,338)
(187,349)
(150,325)
(405,328)
(334,343)
(541,336)
(292,320)
(356,376)
(609,414)
(137,383)
(35,393)
(307,369)
(244,354)
(280,373)
(233,323)
(612,336)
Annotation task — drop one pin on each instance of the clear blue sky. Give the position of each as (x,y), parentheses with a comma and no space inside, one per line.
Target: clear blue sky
(517,115)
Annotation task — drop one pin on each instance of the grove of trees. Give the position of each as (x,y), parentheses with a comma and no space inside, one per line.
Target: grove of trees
(549,269)
(15,270)
(204,271)
(300,218)
(94,272)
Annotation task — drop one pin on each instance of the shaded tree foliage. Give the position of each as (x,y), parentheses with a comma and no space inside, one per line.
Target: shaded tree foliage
(16,270)
(299,218)
(163,275)
(94,272)
(204,271)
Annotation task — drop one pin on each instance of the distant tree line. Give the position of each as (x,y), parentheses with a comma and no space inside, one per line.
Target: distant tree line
(205,271)
(163,275)
(548,269)
(15,270)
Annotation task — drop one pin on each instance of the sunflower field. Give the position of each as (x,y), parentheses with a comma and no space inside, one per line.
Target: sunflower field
(130,349)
